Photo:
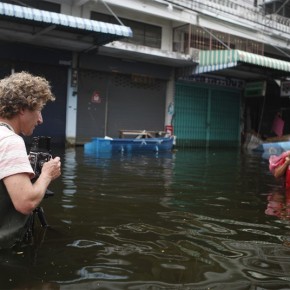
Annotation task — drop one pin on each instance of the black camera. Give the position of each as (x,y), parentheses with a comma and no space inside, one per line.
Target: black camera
(39,153)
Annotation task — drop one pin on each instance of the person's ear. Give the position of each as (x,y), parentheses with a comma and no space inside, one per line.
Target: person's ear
(22,111)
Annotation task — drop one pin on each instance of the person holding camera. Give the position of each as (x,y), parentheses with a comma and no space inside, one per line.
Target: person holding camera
(22,98)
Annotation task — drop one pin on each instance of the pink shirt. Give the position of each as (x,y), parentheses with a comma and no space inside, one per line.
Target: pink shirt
(13,154)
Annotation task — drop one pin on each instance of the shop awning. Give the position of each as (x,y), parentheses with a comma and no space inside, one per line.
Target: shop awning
(215,60)
(45,22)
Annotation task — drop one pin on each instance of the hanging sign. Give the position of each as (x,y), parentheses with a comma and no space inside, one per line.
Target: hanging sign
(285,89)
(255,89)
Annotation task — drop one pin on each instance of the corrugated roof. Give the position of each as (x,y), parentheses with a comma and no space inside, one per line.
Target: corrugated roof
(213,60)
(106,32)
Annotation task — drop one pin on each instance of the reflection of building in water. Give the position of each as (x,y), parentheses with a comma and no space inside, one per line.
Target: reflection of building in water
(157,167)
(199,172)
(68,176)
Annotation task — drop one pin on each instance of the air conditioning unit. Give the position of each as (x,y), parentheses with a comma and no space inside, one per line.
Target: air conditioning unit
(194,53)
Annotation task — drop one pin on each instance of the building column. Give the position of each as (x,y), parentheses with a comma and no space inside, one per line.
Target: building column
(71,109)
(169,103)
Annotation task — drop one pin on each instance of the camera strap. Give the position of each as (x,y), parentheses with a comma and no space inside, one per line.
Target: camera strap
(6,125)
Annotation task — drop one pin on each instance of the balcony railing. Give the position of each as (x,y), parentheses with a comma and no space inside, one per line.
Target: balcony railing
(187,38)
(238,11)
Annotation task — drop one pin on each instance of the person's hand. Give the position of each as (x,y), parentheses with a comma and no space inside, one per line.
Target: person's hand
(52,168)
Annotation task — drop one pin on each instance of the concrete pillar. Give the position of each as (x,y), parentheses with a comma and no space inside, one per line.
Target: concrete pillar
(71,109)
(169,104)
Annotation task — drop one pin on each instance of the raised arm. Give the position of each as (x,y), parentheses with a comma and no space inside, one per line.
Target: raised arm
(281,170)
(26,195)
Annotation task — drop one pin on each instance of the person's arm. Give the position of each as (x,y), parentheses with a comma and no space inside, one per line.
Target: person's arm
(281,170)
(26,195)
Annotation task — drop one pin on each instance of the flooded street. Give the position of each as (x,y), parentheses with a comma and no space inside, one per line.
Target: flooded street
(200,219)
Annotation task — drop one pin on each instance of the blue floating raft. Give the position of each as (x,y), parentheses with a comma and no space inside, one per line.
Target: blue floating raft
(99,145)
(273,148)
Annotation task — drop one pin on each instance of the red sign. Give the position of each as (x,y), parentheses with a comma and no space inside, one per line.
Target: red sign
(96,97)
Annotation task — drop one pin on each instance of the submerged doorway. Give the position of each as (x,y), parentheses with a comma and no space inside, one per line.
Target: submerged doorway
(207,116)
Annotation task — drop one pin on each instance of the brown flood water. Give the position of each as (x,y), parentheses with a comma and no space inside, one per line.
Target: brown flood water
(193,219)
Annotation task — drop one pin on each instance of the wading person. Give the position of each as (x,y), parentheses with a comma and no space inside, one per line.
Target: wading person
(279,203)
(22,97)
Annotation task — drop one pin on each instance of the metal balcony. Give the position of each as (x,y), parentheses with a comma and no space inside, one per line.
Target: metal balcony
(238,12)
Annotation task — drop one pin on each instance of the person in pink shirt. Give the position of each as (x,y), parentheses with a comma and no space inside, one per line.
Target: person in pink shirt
(22,97)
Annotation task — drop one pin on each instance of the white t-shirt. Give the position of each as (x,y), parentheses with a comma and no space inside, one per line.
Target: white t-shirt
(13,154)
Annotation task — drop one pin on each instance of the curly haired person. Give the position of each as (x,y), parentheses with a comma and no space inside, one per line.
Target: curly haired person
(22,98)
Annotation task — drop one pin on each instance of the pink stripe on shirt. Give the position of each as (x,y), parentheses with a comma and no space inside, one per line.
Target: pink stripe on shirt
(13,154)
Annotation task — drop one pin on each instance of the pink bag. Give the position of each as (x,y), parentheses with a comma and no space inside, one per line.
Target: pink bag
(274,160)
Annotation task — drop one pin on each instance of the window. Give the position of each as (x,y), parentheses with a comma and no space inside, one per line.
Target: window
(143,33)
(278,7)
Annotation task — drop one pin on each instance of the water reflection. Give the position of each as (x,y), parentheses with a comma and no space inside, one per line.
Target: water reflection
(279,204)
(201,219)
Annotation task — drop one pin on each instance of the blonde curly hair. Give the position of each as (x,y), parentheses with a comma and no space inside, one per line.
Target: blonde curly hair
(23,91)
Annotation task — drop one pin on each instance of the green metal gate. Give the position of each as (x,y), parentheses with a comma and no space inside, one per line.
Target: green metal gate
(206,116)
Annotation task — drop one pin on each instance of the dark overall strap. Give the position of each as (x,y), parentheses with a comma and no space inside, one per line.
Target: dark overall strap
(13,224)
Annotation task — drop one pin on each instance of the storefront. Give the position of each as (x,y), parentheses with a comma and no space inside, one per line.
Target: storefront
(115,94)
(222,99)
